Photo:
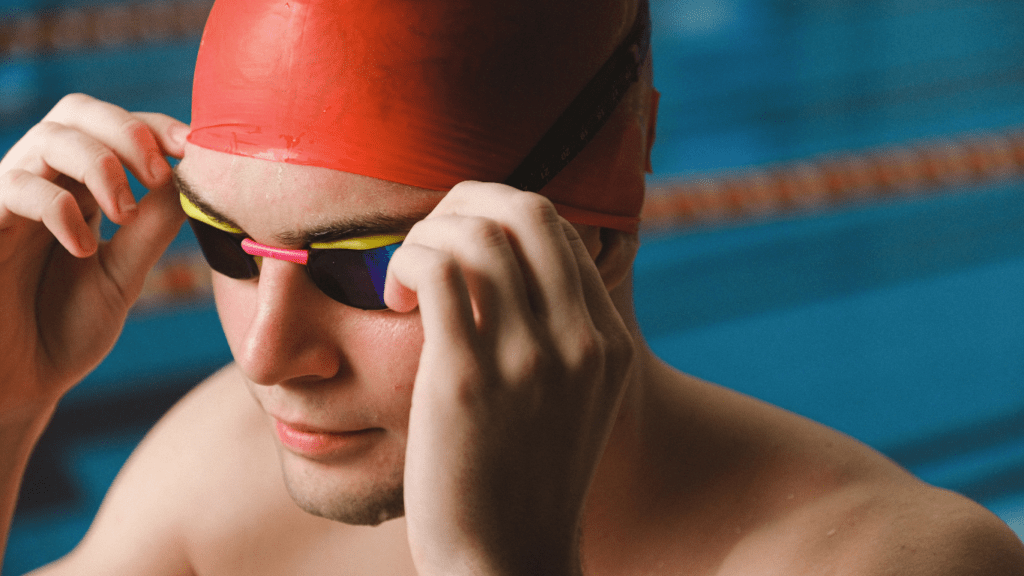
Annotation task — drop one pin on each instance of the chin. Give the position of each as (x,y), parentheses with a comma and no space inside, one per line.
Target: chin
(343,493)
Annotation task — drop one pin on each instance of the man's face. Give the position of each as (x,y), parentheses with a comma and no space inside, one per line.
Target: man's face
(312,364)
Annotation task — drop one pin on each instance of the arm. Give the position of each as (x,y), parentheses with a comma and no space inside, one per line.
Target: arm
(64,294)
(18,436)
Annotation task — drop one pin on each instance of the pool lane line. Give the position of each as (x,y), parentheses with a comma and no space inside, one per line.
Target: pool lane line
(953,164)
(110,25)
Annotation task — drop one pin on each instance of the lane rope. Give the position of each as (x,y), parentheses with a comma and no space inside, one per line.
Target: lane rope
(70,28)
(953,164)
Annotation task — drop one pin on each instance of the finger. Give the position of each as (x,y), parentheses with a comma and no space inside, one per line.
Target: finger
(592,285)
(34,198)
(538,237)
(128,135)
(170,133)
(440,287)
(574,308)
(88,161)
(137,246)
(616,351)
(489,266)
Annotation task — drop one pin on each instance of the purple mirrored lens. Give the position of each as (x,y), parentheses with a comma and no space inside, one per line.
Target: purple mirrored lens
(352,277)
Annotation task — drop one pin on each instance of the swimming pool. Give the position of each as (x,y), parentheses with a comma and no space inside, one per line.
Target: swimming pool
(898,322)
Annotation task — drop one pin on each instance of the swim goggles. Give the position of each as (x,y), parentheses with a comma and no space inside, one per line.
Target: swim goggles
(352,271)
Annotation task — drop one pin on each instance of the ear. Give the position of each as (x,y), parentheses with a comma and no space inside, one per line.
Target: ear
(652,125)
(615,258)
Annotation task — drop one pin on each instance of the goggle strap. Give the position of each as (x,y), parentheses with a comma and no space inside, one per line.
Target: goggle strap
(589,111)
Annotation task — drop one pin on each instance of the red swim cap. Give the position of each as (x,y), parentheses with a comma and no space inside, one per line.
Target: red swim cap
(420,93)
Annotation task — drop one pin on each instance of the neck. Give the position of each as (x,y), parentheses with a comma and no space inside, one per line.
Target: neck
(625,488)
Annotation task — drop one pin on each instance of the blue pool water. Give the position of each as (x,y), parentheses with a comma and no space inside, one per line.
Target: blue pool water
(898,322)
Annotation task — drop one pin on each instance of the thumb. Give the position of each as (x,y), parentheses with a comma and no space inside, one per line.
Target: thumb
(137,245)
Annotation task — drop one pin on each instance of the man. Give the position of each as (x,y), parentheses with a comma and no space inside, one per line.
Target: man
(488,406)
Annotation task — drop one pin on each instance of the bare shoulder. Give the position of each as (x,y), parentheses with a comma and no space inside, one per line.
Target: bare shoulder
(854,512)
(879,530)
(790,497)
(930,531)
(170,496)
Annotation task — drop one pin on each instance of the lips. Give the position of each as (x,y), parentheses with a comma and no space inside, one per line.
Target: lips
(317,443)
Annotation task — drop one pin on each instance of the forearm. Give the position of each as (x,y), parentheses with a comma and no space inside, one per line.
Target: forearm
(19,432)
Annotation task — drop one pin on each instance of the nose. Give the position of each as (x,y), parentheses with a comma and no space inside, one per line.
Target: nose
(289,335)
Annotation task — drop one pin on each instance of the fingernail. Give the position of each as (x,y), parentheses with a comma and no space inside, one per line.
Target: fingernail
(126,200)
(87,241)
(127,205)
(178,133)
(159,169)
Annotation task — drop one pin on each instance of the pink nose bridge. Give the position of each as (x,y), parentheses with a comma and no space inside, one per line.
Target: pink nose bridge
(254,248)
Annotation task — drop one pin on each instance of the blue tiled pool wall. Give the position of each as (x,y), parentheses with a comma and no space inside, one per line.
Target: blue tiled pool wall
(755,81)
(897,323)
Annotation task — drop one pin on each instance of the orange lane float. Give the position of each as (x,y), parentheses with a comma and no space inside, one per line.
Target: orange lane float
(835,179)
(70,28)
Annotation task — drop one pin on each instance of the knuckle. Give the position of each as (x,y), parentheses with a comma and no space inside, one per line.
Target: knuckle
(620,353)
(444,270)
(467,389)
(484,232)
(586,353)
(104,167)
(73,101)
(467,187)
(105,161)
(534,207)
(47,129)
(136,131)
(14,179)
(531,361)
(61,201)
(60,206)
(590,349)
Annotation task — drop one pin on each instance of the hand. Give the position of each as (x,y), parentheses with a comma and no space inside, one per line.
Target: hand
(64,295)
(519,380)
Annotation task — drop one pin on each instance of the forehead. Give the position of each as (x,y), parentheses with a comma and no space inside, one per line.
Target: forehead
(301,196)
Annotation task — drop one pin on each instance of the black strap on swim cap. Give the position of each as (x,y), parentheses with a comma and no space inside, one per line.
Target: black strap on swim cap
(589,111)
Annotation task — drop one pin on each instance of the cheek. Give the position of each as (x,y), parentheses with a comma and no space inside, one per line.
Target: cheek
(384,347)
(379,349)
(235,305)
(379,355)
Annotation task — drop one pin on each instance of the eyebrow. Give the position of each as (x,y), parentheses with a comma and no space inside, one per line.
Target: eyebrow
(186,190)
(368,225)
